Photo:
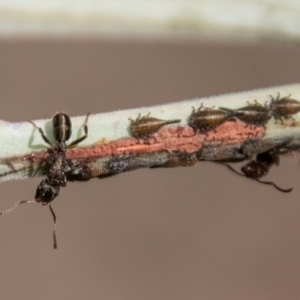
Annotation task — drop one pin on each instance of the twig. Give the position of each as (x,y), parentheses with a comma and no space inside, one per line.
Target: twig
(110,148)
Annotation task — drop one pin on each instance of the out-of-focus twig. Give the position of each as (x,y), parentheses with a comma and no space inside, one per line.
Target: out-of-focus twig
(221,20)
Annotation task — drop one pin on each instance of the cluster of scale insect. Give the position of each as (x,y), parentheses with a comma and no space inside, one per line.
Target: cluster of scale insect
(205,119)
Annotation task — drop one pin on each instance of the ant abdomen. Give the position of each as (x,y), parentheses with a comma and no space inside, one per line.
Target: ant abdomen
(62,127)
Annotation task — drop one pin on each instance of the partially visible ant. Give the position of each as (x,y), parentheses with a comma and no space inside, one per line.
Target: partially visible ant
(57,164)
(260,167)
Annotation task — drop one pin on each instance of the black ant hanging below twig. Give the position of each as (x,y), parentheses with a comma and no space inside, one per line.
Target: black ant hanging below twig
(258,168)
(57,164)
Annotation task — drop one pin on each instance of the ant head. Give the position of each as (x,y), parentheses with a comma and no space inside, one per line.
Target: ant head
(254,169)
(62,127)
(46,192)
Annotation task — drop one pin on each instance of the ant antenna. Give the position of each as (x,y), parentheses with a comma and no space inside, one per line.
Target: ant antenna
(275,186)
(54,227)
(233,170)
(7,211)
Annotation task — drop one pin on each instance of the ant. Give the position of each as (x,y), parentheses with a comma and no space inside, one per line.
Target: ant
(57,164)
(260,167)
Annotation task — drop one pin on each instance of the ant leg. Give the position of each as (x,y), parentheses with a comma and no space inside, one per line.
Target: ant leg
(277,187)
(42,134)
(54,227)
(85,128)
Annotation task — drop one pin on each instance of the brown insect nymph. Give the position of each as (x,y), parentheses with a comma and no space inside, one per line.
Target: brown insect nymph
(252,114)
(144,127)
(284,108)
(206,119)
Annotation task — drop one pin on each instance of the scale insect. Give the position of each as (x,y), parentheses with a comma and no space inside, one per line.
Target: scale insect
(284,108)
(252,114)
(144,127)
(57,166)
(205,119)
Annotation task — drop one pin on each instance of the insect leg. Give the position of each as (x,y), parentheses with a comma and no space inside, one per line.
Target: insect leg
(42,134)
(54,227)
(85,128)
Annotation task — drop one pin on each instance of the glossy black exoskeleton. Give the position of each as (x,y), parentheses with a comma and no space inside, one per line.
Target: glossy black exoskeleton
(57,166)
(253,114)
(260,167)
(144,127)
(284,108)
(206,119)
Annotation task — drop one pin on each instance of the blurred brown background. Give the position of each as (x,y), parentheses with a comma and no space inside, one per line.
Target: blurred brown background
(189,233)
